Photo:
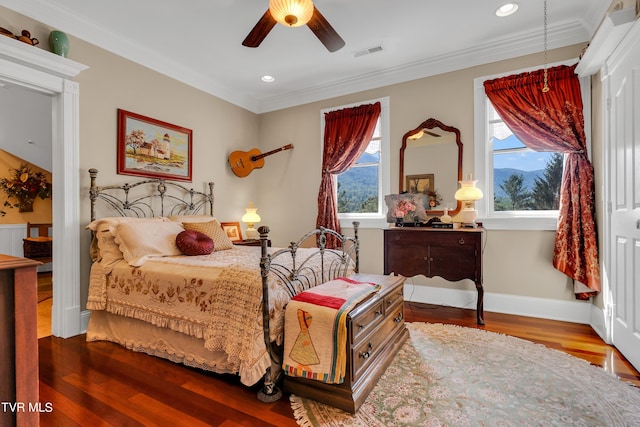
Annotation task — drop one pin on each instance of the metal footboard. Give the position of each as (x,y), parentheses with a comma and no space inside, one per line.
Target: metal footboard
(297,276)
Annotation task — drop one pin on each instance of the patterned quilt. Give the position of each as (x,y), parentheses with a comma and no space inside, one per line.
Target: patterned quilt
(215,297)
(316,329)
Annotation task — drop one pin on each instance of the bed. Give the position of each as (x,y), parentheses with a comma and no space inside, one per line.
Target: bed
(204,311)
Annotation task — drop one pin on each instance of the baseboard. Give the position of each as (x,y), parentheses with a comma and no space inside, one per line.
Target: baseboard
(544,308)
(84,321)
(599,323)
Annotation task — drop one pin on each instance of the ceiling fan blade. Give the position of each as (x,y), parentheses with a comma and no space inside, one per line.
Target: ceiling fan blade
(260,31)
(324,31)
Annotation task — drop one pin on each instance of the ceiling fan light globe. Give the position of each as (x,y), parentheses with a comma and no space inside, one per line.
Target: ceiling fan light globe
(291,20)
(292,13)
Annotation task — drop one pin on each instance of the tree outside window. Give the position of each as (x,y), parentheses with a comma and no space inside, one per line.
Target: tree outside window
(358,188)
(523,179)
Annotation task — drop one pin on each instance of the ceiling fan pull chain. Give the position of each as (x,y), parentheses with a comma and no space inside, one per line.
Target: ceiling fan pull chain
(545,87)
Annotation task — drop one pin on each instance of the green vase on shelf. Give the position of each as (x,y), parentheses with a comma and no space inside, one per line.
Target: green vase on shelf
(59,43)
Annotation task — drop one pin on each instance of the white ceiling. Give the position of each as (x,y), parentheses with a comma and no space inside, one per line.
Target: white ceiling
(199,41)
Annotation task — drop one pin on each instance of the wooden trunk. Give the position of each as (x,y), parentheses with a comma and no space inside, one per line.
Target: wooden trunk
(375,333)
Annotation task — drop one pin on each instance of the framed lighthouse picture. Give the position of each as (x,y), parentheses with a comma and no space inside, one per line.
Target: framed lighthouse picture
(153,148)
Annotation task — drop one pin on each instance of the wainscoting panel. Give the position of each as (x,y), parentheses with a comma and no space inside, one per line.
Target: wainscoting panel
(11,236)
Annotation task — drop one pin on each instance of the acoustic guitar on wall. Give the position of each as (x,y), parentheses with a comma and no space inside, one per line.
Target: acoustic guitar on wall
(243,162)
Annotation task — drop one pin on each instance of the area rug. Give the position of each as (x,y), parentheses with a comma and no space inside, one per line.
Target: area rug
(448,375)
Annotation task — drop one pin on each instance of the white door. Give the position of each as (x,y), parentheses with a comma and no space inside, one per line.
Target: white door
(624,195)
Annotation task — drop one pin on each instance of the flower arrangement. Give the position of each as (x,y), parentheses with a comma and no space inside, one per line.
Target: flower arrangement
(404,208)
(25,185)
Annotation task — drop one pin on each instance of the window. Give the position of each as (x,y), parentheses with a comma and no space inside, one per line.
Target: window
(360,190)
(521,186)
(523,179)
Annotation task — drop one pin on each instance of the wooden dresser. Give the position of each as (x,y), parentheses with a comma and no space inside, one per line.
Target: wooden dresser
(453,254)
(19,341)
(375,333)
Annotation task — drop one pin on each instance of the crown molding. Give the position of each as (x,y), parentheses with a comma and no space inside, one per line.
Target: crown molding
(22,53)
(608,36)
(564,34)
(94,33)
(560,35)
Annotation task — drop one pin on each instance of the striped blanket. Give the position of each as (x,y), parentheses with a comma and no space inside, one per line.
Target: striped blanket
(316,331)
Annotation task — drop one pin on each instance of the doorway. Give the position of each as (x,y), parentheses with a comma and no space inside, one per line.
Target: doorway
(26,137)
(49,74)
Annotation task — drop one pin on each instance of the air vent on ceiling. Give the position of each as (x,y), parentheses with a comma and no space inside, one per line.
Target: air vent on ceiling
(367,51)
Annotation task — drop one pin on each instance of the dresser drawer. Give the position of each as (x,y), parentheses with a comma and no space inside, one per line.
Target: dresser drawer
(396,313)
(365,321)
(365,352)
(375,333)
(456,239)
(393,298)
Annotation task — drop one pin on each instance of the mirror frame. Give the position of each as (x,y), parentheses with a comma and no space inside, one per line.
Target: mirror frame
(432,123)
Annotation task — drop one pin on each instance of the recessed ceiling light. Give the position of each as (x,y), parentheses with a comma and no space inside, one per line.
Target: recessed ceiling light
(267,79)
(507,9)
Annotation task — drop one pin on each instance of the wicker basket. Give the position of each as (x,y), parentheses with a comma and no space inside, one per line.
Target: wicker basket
(37,247)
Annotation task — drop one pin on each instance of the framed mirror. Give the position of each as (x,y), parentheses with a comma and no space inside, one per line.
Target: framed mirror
(431,160)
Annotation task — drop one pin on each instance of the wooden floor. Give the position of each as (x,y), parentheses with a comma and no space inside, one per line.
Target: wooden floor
(102,384)
(45,302)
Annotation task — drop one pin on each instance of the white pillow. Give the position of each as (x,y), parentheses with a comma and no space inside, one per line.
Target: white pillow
(140,241)
(191,218)
(108,252)
(108,222)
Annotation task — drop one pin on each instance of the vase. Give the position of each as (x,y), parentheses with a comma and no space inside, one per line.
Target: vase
(59,43)
(399,222)
(25,205)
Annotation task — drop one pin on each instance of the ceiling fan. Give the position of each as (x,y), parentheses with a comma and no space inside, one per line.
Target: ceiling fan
(294,13)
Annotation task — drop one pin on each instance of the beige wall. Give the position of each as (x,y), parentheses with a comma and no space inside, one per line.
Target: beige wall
(285,190)
(218,127)
(515,262)
(112,82)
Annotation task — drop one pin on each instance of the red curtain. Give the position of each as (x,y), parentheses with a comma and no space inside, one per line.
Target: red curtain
(347,133)
(553,121)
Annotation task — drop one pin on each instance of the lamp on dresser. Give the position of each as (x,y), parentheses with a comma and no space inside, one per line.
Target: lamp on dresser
(468,193)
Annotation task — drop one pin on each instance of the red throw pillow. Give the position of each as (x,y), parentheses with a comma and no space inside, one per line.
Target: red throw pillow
(191,242)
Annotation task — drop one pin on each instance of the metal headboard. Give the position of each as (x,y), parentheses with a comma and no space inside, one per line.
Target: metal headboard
(150,198)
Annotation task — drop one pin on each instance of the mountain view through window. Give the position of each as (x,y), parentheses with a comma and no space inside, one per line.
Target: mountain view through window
(523,179)
(358,187)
